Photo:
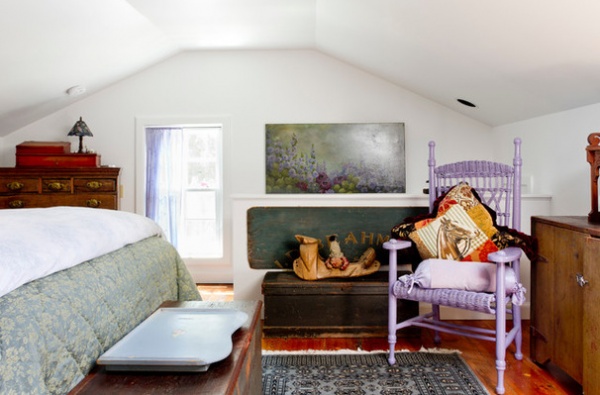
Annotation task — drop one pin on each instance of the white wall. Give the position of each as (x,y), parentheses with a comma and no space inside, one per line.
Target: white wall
(253,88)
(554,154)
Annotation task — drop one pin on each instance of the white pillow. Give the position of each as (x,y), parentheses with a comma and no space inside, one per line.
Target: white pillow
(465,275)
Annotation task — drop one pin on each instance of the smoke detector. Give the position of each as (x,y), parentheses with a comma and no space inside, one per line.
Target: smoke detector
(76,90)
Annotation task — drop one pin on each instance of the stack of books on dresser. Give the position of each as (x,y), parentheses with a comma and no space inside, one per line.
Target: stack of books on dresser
(52,154)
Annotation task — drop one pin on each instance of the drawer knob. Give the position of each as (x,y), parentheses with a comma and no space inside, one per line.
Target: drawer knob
(93,203)
(94,185)
(14,186)
(56,186)
(582,282)
(16,204)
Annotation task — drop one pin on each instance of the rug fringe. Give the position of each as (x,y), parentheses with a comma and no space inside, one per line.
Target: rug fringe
(356,351)
(440,350)
(319,352)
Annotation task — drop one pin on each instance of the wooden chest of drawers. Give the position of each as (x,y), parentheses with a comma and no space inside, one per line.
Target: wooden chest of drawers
(565,297)
(95,187)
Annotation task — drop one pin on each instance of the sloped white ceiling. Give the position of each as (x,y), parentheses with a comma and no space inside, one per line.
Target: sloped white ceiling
(235,24)
(515,59)
(49,46)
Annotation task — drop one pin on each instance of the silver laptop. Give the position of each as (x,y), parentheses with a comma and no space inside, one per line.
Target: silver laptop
(176,340)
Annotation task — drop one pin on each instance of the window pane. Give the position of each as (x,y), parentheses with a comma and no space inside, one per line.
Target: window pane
(200,205)
(202,175)
(203,143)
(201,223)
(201,239)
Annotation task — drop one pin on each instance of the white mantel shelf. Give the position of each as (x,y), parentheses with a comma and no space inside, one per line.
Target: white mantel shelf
(356,199)
(337,199)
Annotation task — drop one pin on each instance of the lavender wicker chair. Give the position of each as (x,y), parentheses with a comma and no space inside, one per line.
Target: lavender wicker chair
(498,185)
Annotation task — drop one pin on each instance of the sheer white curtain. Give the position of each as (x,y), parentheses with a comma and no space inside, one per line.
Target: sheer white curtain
(164,152)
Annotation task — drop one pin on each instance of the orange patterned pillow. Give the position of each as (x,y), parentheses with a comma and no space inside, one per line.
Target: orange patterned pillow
(461,230)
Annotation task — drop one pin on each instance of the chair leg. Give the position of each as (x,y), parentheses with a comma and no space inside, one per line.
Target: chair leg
(500,355)
(516,314)
(500,368)
(436,316)
(392,328)
(500,346)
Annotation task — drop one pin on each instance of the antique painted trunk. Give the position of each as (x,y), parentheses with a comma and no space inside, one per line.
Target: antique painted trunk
(353,307)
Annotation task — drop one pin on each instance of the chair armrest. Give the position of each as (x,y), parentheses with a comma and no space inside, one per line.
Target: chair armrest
(394,244)
(506,255)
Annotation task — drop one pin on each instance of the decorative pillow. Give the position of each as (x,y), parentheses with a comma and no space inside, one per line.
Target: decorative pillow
(461,195)
(469,276)
(507,237)
(461,230)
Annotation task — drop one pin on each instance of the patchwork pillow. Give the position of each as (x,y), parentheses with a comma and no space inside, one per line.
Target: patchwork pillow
(461,230)
(502,238)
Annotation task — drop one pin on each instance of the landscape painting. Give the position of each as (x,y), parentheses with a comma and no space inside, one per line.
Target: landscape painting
(335,158)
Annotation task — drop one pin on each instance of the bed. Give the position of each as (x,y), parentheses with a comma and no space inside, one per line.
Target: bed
(73,281)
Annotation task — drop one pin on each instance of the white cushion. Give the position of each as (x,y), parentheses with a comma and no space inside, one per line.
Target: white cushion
(465,275)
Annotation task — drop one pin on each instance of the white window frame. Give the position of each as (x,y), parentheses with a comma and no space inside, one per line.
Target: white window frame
(205,270)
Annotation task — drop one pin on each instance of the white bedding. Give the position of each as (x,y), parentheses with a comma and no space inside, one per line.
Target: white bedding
(40,241)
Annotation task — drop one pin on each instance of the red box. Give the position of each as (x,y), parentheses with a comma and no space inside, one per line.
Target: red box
(44,147)
(58,160)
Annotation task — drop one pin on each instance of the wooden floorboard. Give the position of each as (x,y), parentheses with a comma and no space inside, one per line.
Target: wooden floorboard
(521,377)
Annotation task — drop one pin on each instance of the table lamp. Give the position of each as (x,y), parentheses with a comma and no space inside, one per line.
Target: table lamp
(80,129)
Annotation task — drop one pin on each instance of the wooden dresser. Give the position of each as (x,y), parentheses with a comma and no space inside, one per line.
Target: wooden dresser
(28,187)
(565,282)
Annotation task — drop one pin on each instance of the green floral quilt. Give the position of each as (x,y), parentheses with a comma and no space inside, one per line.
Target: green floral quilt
(53,329)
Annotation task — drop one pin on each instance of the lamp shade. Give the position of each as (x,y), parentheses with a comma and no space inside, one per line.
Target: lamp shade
(80,129)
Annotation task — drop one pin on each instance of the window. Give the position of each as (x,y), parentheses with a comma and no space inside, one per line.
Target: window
(184,187)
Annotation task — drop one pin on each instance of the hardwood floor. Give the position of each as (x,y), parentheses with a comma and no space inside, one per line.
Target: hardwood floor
(216,292)
(521,377)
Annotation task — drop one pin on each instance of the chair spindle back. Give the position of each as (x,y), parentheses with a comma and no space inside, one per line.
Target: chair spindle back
(498,184)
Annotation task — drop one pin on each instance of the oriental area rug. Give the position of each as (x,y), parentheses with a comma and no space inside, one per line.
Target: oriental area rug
(414,373)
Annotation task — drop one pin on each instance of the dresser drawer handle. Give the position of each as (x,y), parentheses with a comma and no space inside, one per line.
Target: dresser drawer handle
(93,203)
(56,186)
(94,185)
(14,186)
(581,281)
(16,204)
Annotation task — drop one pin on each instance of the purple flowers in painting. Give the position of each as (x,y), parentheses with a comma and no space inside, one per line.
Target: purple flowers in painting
(335,158)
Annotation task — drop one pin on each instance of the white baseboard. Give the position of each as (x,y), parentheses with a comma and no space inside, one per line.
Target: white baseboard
(211,274)
(448,313)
